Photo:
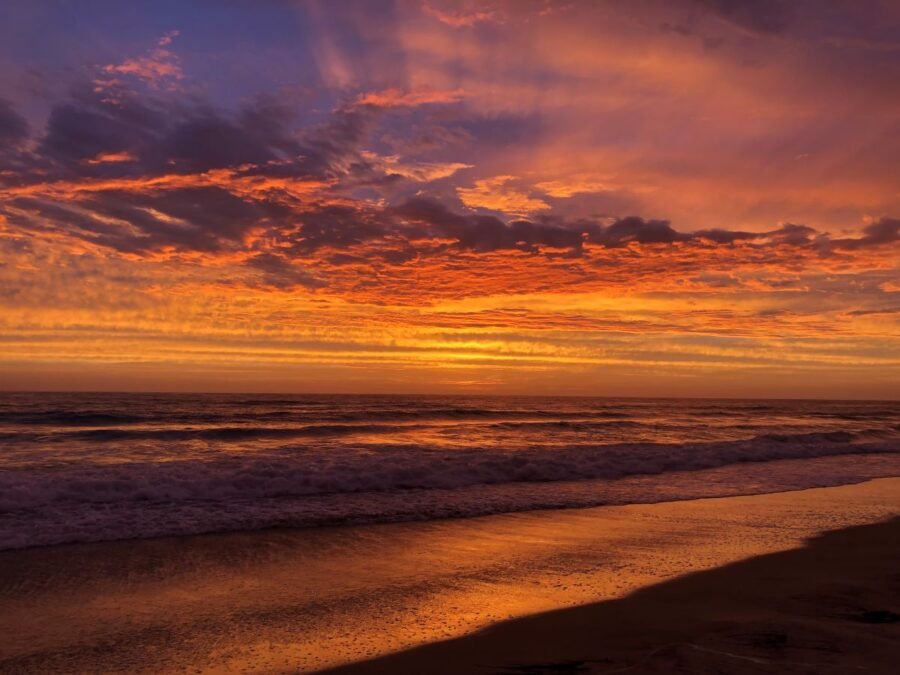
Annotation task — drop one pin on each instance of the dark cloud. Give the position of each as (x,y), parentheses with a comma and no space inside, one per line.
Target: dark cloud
(764,17)
(488,233)
(886,311)
(279,272)
(337,227)
(791,234)
(331,146)
(882,232)
(634,229)
(204,219)
(166,135)
(199,218)
(120,134)
(726,236)
(35,215)
(13,127)
(484,233)
(14,132)
(257,135)
(209,142)
(89,125)
(212,213)
(270,118)
(430,212)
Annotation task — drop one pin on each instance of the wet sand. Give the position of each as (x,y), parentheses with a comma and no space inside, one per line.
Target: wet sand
(300,601)
(832,606)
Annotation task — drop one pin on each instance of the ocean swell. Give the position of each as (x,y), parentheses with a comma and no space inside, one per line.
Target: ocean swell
(99,501)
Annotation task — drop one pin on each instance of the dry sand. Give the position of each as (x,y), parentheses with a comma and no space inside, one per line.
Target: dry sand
(298,601)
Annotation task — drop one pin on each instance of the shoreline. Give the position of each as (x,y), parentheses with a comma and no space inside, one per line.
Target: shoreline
(830,606)
(303,600)
(364,509)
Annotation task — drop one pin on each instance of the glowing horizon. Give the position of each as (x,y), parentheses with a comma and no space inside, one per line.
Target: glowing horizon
(690,198)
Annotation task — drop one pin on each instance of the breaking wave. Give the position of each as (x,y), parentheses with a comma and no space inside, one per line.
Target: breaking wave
(87,502)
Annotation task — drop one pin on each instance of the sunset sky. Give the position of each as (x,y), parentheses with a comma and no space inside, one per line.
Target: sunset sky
(655,198)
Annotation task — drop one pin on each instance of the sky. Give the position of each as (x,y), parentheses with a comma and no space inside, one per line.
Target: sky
(651,198)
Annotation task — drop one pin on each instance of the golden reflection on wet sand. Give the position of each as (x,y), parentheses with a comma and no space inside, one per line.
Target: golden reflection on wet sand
(288,601)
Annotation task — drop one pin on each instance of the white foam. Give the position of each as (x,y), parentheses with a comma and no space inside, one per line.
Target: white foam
(298,486)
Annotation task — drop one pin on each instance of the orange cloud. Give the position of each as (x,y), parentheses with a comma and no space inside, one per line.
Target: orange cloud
(495,194)
(238,181)
(396,98)
(422,172)
(159,67)
(563,189)
(111,158)
(461,19)
(457,207)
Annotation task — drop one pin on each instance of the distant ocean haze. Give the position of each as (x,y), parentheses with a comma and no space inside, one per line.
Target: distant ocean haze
(89,467)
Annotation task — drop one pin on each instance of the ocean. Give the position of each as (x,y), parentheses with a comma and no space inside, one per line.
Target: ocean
(94,467)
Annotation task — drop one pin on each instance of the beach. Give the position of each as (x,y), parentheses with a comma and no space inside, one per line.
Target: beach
(830,606)
(438,337)
(800,581)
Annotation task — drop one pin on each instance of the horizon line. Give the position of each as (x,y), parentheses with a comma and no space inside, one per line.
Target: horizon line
(439,395)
